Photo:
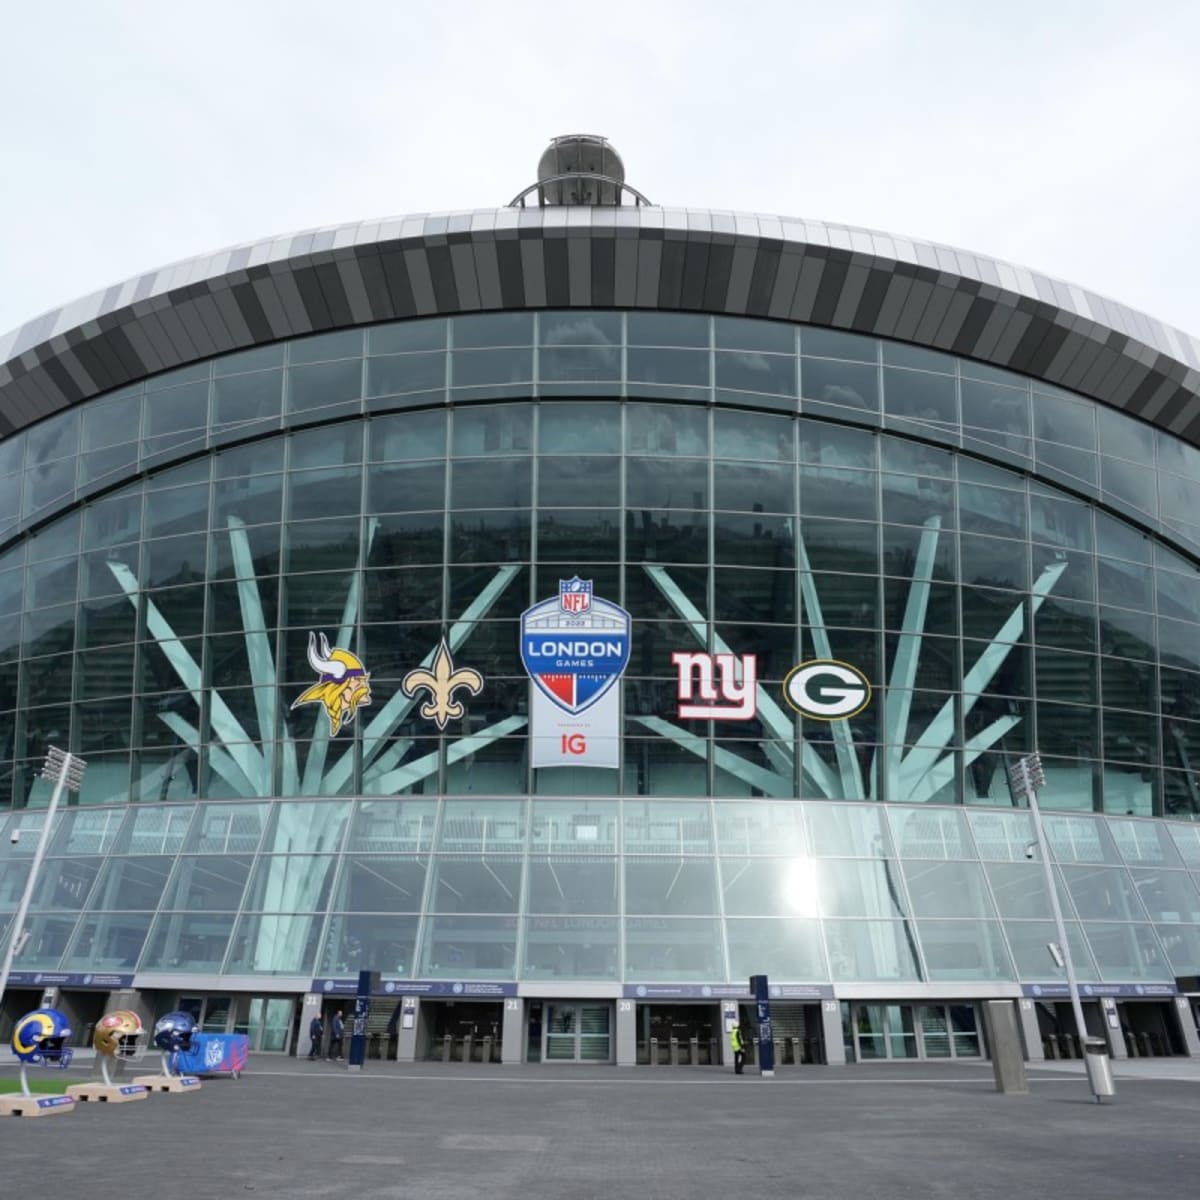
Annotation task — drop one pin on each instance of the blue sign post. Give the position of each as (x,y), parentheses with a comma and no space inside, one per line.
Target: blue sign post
(759,989)
(368,981)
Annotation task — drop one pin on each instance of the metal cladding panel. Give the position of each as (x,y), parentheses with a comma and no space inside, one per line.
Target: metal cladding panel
(694,260)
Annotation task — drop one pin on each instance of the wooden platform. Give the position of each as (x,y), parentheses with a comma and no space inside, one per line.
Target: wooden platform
(175,1084)
(35,1106)
(116,1094)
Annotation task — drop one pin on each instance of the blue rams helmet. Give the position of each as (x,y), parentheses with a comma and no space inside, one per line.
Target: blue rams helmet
(40,1036)
(173,1032)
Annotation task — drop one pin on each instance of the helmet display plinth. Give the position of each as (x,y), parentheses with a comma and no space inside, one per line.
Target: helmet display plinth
(108,1093)
(36,1106)
(167,1082)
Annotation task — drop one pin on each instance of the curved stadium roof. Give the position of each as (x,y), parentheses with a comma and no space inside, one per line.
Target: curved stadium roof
(597,257)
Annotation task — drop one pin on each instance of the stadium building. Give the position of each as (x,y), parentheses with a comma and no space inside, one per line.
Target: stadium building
(570,609)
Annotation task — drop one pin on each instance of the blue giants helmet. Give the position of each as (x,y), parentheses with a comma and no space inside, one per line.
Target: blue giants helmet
(41,1036)
(173,1032)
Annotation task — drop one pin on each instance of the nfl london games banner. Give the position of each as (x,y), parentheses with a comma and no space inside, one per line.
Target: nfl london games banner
(575,647)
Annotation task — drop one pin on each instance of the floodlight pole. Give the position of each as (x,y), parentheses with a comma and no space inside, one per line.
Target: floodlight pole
(66,771)
(1027,776)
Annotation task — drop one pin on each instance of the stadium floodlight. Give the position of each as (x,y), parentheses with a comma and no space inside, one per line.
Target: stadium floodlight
(65,771)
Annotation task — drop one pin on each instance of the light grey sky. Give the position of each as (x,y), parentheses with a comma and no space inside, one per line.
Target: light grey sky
(1059,134)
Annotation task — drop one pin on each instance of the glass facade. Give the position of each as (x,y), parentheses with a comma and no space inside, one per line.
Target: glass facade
(604,890)
(1006,564)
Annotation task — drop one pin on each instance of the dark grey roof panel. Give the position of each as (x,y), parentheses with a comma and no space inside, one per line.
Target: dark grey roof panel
(718,262)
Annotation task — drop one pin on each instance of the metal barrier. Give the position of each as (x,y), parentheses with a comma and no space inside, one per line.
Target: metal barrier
(447,1047)
(487,1049)
(654,1052)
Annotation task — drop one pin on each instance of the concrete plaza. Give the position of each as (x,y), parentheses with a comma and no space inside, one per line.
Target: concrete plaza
(295,1129)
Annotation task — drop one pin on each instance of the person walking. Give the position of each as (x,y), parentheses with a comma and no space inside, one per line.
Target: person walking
(337,1029)
(316,1031)
(738,1045)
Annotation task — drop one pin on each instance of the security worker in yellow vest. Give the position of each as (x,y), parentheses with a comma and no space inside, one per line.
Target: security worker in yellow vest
(738,1045)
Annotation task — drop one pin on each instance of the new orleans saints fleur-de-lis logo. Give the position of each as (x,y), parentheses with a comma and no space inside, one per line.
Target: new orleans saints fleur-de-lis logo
(441,683)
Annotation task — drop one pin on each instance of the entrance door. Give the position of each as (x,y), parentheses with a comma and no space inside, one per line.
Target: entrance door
(577,1031)
(269,1023)
(947,1031)
(898,1031)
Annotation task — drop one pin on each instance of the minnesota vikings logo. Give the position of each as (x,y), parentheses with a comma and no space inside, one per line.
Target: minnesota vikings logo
(343,687)
(441,683)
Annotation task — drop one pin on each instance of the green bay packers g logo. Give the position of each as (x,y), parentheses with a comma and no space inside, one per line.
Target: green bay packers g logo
(827,690)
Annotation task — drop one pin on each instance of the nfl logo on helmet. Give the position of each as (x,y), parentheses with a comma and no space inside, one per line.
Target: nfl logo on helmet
(575,595)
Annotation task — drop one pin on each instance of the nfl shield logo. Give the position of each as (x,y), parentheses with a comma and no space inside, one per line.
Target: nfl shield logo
(575,595)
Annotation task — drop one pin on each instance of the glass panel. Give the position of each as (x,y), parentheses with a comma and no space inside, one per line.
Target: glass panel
(290,883)
(579,429)
(391,826)
(133,883)
(1168,895)
(671,886)
(950,889)
(1102,893)
(187,942)
(382,942)
(787,950)
(1127,952)
(483,884)
(586,827)
(845,829)
(662,827)
(871,951)
(762,828)
(64,883)
(155,830)
(572,884)
(964,950)
(108,942)
(405,336)
(212,883)
(225,829)
(667,329)
(929,833)
(1020,890)
(571,948)
(665,948)
(383,883)
(1028,941)
(469,947)
(275,943)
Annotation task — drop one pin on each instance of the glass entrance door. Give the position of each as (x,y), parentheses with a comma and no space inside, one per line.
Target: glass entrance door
(896,1031)
(270,1022)
(577,1032)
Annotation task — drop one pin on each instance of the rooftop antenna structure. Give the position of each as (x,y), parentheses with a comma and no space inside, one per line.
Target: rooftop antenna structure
(579,169)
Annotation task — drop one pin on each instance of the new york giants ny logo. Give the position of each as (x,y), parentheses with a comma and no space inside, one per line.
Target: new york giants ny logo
(698,673)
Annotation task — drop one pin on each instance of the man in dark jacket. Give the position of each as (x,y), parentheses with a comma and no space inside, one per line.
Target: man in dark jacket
(316,1031)
(337,1029)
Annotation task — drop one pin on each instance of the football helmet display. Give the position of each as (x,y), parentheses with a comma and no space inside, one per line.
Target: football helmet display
(173,1032)
(119,1034)
(41,1037)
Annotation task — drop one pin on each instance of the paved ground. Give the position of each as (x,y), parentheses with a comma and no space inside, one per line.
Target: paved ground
(444,1132)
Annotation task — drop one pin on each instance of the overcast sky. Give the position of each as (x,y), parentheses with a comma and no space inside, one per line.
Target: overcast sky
(1058,134)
